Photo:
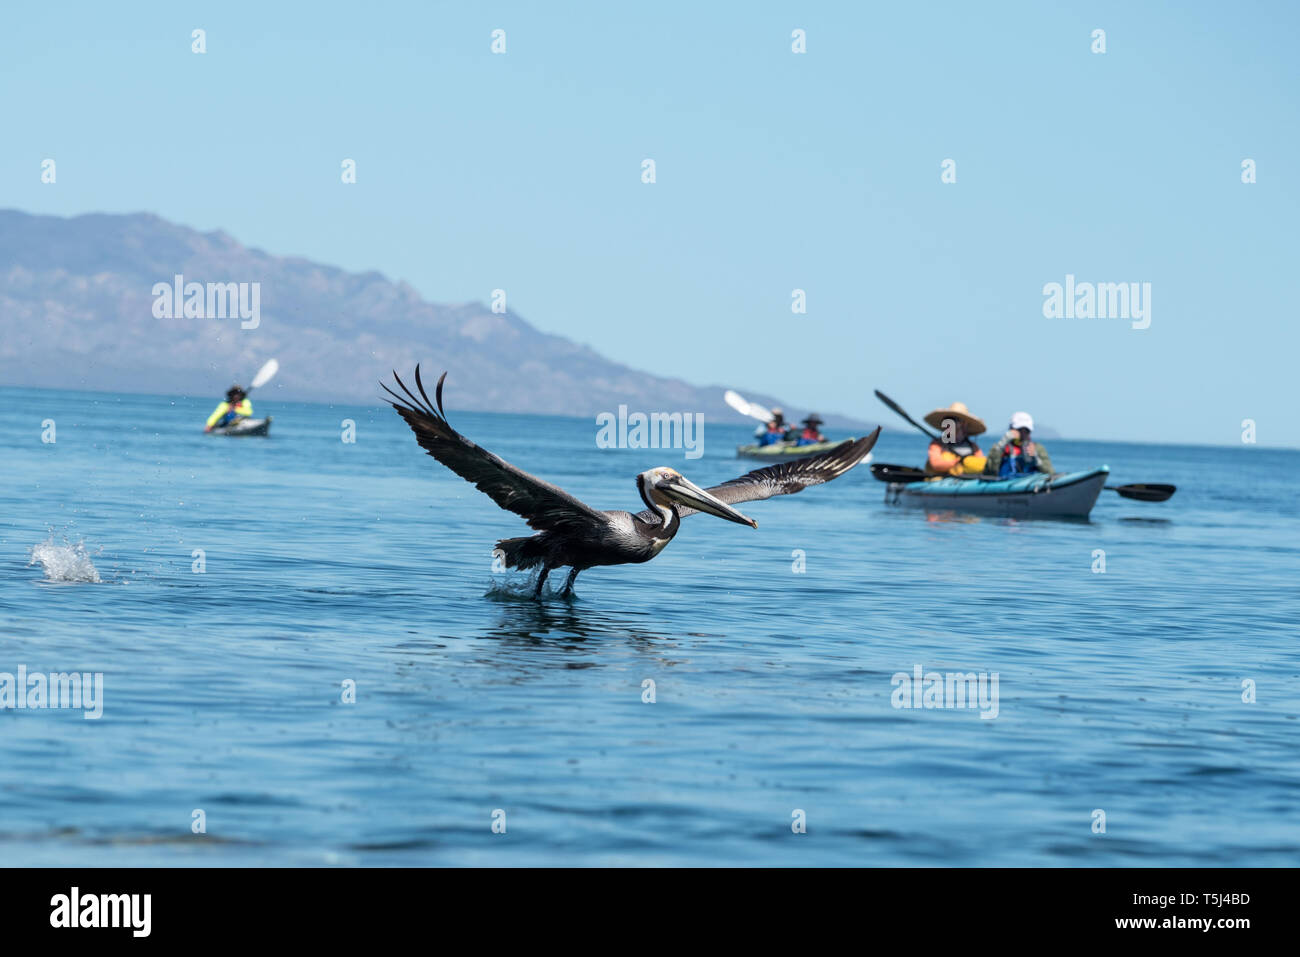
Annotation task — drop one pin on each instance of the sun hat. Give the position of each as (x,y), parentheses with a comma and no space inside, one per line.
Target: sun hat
(813,419)
(1022,420)
(958,411)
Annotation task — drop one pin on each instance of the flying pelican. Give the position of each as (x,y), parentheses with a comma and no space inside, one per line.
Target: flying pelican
(573,534)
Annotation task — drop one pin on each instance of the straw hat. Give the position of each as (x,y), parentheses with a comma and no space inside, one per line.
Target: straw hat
(958,411)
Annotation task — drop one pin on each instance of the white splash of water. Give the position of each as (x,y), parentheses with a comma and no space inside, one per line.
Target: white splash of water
(64,562)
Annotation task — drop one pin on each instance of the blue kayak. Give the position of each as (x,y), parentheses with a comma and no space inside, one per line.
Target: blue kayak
(1067,494)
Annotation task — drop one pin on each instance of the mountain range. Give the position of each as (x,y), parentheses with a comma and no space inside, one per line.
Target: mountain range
(86,302)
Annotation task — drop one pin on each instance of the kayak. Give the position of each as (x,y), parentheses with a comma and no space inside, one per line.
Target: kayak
(245,427)
(787,450)
(1070,494)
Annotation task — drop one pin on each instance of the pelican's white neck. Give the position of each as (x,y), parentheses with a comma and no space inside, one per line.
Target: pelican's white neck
(653,497)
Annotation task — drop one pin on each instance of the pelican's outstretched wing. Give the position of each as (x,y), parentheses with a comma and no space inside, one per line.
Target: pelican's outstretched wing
(787,478)
(542,504)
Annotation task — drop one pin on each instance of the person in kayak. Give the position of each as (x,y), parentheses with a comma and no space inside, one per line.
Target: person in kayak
(1016,453)
(810,434)
(234,408)
(955,452)
(774,431)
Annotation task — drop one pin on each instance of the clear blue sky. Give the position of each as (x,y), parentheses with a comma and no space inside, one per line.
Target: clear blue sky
(775,171)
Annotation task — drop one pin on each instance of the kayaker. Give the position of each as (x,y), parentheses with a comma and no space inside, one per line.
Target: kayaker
(774,431)
(1016,453)
(955,452)
(810,434)
(235,407)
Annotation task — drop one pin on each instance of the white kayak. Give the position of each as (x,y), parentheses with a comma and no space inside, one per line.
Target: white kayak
(245,427)
(1071,494)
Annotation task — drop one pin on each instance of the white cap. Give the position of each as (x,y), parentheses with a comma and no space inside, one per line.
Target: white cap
(1022,420)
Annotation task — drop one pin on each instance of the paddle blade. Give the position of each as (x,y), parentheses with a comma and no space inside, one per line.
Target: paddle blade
(883,472)
(889,402)
(895,407)
(265,374)
(745,407)
(1145,492)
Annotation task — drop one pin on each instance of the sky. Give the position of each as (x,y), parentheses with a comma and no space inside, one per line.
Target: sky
(774,171)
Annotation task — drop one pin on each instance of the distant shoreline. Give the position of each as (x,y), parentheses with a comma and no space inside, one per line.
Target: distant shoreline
(738,423)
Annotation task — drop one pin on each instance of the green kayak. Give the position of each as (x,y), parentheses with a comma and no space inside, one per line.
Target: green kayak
(780,451)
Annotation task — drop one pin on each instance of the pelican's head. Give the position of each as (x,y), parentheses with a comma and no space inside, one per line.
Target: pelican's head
(664,485)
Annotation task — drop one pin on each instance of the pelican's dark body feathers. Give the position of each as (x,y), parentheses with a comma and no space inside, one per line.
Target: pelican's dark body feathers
(571,533)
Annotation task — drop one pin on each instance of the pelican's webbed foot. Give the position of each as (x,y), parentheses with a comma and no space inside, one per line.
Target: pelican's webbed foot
(567,591)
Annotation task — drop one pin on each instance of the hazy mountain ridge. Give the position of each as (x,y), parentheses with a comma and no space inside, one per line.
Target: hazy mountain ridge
(77,311)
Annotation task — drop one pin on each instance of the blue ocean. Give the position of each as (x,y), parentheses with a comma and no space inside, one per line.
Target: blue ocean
(307,657)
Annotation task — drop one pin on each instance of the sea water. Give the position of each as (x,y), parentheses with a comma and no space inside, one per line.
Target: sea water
(308,657)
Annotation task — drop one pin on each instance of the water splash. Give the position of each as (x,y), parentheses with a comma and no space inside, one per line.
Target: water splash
(64,562)
(523,588)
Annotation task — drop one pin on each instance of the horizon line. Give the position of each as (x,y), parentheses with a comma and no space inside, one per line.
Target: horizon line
(580,418)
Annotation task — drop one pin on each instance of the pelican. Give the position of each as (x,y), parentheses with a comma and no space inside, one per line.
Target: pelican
(573,534)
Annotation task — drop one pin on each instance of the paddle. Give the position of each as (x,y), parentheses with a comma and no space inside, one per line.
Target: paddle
(897,408)
(745,407)
(884,472)
(1140,492)
(264,374)
(1144,491)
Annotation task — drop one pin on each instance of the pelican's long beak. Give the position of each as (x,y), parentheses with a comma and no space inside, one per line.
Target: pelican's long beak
(686,492)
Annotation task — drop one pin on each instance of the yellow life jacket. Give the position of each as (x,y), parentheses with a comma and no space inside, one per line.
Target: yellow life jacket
(950,464)
(245,408)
